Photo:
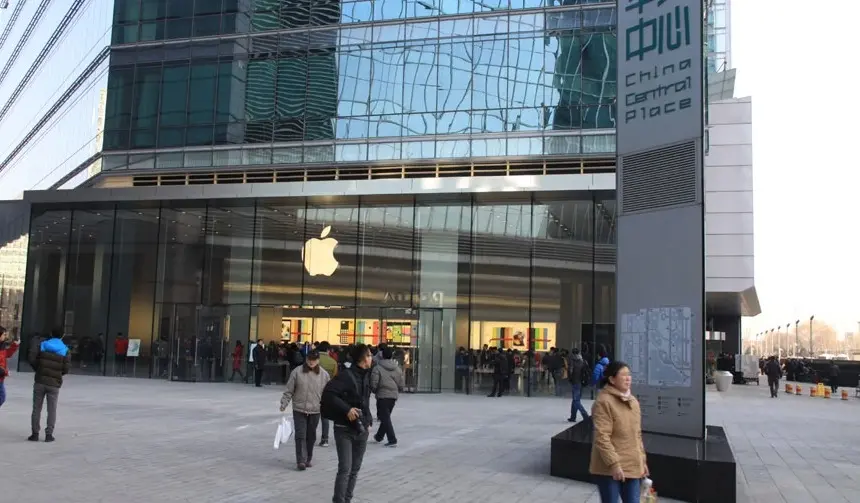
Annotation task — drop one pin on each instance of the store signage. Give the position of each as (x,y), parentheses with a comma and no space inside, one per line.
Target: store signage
(318,254)
(434,299)
(660,73)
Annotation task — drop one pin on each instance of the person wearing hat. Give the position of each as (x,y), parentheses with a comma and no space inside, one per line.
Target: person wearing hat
(304,389)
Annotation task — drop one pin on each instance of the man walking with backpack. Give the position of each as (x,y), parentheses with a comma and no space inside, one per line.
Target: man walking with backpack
(577,375)
(346,401)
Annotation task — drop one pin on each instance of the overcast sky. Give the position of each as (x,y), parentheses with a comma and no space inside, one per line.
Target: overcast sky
(795,59)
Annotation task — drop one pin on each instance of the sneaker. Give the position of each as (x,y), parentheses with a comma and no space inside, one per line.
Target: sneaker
(324,443)
(571,420)
(302,467)
(309,464)
(34,437)
(391,444)
(377,440)
(49,438)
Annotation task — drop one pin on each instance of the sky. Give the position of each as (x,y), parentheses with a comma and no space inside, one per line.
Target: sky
(795,59)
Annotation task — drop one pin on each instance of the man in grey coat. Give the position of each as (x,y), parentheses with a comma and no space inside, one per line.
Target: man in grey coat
(386,380)
(304,389)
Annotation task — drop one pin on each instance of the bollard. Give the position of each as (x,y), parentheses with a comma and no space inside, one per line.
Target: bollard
(789,388)
(845,394)
(812,391)
(827,392)
(820,390)
(797,389)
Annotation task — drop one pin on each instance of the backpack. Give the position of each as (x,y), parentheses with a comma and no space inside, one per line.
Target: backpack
(325,411)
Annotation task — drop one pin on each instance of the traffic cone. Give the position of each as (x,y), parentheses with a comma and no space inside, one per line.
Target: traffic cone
(827,392)
(845,394)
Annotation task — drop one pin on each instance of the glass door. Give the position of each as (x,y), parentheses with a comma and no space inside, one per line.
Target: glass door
(184,343)
(428,354)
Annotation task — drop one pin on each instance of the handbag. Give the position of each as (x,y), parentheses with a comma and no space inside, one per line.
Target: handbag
(285,430)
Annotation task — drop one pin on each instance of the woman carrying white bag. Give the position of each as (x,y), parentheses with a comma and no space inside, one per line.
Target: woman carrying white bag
(304,390)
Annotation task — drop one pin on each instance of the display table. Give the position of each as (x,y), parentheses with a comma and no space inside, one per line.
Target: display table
(696,471)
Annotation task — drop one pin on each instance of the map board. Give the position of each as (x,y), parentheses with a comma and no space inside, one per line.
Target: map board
(660,226)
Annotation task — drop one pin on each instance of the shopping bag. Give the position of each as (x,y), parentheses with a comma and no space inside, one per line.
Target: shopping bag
(285,430)
(648,494)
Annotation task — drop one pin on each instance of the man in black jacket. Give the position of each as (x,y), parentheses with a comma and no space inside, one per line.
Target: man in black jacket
(774,373)
(346,402)
(500,374)
(51,361)
(259,355)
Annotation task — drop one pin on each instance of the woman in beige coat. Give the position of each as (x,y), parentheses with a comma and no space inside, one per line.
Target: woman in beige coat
(617,455)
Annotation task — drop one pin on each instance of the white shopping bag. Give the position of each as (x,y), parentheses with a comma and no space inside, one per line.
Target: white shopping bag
(285,430)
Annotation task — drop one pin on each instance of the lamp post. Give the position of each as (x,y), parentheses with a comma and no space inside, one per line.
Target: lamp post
(772,345)
(778,342)
(810,336)
(796,339)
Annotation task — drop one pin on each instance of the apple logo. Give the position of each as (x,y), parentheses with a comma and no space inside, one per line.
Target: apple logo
(318,254)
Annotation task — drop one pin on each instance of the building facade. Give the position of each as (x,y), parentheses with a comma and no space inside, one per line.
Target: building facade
(436,175)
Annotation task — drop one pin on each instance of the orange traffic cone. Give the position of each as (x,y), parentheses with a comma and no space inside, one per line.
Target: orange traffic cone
(827,392)
(845,394)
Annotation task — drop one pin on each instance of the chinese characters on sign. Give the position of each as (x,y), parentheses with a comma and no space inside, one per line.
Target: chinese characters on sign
(662,29)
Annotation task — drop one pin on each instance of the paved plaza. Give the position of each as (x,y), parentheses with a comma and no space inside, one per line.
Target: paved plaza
(126,440)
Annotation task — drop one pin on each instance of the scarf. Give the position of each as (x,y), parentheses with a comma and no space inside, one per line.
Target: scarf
(306,368)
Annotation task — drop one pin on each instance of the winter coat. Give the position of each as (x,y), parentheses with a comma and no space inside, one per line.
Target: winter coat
(772,370)
(349,389)
(238,352)
(51,361)
(386,379)
(597,374)
(6,352)
(305,389)
(578,373)
(617,435)
(259,354)
(501,369)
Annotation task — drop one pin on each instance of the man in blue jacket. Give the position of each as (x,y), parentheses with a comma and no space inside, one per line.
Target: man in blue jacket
(51,361)
(597,375)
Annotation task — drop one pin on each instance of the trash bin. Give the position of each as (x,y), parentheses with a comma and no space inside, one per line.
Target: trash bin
(723,379)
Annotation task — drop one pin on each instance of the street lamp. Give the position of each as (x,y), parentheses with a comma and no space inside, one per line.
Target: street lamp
(810,336)
(796,340)
(771,341)
(778,342)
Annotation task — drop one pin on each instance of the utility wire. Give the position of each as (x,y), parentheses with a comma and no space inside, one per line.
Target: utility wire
(11,24)
(25,37)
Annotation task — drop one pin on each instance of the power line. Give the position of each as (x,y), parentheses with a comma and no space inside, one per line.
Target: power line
(11,24)
(59,31)
(58,105)
(25,37)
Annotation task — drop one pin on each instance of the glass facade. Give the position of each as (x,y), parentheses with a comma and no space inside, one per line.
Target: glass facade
(718,35)
(187,282)
(350,83)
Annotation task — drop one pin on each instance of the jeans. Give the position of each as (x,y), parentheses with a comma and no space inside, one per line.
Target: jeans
(326,424)
(556,381)
(576,403)
(350,453)
(612,490)
(40,392)
(774,386)
(2,393)
(384,407)
(306,435)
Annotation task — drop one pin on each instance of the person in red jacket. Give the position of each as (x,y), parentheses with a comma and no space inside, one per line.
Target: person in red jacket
(238,360)
(7,350)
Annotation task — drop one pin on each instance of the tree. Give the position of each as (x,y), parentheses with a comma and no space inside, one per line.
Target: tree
(824,339)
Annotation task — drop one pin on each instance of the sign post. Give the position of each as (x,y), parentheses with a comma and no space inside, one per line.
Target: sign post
(661,259)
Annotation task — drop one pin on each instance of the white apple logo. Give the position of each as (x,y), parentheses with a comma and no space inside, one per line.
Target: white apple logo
(318,254)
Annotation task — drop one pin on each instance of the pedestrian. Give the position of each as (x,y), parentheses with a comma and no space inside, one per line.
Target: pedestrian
(238,359)
(599,369)
(50,360)
(304,389)
(578,375)
(346,401)
(7,350)
(387,382)
(834,376)
(618,461)
(500,375)
(773,373)
(329,364)
(259,356)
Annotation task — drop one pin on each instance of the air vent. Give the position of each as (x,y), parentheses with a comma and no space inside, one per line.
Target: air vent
(376,172)
(659,178)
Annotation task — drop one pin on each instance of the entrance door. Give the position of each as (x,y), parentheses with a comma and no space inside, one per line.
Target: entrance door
(428,356)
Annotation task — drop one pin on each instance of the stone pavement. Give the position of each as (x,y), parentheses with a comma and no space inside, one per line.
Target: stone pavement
(126,440)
